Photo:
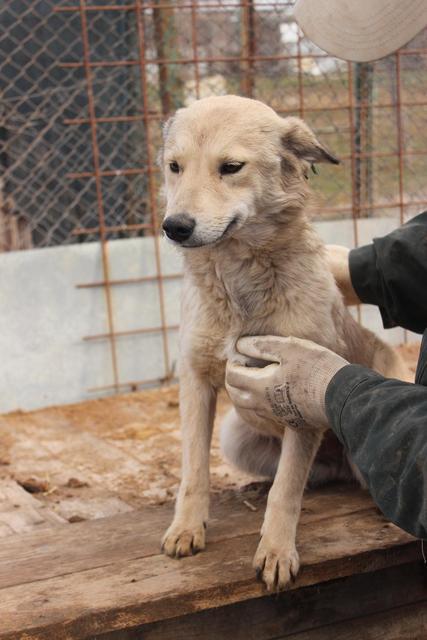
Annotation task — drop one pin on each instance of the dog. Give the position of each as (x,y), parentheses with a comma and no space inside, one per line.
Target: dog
(236,204)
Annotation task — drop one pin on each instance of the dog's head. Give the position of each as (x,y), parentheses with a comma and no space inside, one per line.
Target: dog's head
(229,164)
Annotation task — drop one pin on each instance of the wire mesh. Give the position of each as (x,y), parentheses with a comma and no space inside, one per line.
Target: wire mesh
(86,87)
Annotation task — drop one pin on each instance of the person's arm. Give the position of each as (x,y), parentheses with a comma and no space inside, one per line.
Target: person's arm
(391,273)
(381,422)
(383,425)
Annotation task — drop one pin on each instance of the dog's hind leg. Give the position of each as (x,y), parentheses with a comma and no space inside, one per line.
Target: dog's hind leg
(389,362)
(247,449)
(370,351)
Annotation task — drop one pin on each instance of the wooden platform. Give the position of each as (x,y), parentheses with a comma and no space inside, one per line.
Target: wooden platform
(106,575)
(85,495)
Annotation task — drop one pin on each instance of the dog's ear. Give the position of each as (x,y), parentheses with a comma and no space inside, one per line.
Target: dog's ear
(299,139)
(165,130)
(166,127)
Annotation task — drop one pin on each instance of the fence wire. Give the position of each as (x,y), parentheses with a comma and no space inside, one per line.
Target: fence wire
(190,49)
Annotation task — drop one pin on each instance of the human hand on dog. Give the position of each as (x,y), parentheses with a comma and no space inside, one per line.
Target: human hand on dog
(338,260)
(290,391)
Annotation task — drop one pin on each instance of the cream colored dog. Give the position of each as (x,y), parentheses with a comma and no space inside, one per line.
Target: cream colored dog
(237,195)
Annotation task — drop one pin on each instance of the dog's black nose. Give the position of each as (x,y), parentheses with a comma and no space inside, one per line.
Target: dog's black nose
(179,227)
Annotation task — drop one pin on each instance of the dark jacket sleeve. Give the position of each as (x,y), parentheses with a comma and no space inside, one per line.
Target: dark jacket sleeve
(392,274)
(383,425)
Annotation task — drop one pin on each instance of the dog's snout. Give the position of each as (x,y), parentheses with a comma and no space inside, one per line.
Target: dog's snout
(179,227)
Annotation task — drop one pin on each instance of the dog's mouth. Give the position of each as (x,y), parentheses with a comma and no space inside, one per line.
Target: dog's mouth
(227,231)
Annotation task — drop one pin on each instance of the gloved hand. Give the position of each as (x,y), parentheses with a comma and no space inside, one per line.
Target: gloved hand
(338,260)
(290,391)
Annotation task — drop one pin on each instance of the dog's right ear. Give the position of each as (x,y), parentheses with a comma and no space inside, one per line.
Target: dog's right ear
(165,130)
(299,139)
(166,127)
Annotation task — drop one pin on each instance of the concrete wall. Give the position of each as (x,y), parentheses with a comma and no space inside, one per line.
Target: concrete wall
(44,316)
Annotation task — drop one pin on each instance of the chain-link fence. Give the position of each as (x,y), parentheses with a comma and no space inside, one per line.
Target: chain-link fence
(147,59)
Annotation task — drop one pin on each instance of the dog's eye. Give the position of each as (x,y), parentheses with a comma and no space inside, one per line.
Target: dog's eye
(174,166)
(230,167)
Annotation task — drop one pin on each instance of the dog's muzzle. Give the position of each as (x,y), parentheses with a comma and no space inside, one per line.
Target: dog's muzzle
(179,227)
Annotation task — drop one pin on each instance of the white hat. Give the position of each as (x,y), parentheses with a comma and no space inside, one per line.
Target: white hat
(361,30)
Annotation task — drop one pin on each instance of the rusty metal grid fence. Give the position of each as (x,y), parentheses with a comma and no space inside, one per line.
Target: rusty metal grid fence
(86,87)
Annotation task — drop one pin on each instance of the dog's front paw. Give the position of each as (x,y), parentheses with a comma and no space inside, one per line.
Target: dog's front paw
(277,564)
(183,539)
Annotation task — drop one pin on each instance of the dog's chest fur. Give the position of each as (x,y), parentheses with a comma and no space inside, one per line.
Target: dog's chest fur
(234,290)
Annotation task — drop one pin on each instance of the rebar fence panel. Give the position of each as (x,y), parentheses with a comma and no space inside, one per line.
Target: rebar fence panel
(86,88)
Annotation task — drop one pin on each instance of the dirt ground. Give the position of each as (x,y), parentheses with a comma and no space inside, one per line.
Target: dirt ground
(100,457)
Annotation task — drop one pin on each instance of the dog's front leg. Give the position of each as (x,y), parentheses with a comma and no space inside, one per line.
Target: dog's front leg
(276,558)
(186,535)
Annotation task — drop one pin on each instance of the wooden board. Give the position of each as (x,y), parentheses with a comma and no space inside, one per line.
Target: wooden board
(95,577)
(395,596)
(20,511)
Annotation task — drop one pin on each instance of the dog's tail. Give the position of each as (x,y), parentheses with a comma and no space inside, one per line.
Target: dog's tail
(247,449)
(258,454)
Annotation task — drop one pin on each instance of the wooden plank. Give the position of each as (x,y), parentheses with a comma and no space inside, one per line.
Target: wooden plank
(145,589)
(293,612)
(21,512)
(100,542)
(56,454)
(404,623)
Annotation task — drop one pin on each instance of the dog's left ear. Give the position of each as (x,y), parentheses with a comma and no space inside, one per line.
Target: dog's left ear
(299,139)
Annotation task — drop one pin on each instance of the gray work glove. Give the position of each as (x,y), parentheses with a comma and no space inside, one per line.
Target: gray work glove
(290,391)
